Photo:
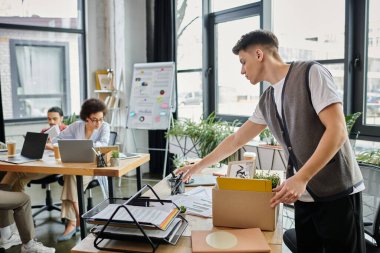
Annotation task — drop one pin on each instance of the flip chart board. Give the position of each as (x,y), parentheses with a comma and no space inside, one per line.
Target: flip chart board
(150,103)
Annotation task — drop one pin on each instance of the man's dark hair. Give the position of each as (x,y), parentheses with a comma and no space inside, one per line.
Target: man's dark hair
(56,109)
(91,106)
(257,37)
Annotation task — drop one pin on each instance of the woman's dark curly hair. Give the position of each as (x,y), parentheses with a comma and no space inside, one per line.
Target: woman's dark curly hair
(91,106)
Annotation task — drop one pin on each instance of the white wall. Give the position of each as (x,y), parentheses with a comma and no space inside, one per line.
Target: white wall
(135,52)
(116,38)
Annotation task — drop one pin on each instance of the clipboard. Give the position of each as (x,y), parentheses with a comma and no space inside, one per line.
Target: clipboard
(139,231)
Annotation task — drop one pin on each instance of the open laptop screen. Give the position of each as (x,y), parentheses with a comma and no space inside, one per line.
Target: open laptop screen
(34,145)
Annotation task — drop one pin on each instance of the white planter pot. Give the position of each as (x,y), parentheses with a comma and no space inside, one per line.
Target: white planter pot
(114,162)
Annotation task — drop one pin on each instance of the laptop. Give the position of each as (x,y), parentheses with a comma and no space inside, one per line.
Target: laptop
(32,149)
(76,151)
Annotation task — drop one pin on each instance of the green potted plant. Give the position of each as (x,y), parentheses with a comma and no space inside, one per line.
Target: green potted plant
(198,139)
(370,157)
(115,155)
(267,136)
(69,119)
(273,177)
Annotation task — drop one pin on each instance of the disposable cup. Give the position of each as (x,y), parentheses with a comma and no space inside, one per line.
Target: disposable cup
(57,155)
(11,146)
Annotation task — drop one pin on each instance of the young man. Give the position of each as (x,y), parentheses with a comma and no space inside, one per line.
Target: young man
(304,113)
(19,205)
(55,117)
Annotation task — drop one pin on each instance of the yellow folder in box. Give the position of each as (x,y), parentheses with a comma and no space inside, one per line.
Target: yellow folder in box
(241,184)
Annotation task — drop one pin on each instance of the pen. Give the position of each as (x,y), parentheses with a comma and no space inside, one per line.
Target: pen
(173,175)
(96,153)
(179,181)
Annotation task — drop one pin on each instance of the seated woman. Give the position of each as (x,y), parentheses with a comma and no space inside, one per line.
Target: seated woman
(15,207)
(92,127)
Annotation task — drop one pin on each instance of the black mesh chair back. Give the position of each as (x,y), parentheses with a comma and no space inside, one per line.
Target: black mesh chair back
(371,201)
(113,136)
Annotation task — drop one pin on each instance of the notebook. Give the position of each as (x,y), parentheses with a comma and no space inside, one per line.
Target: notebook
(32,149)
(76,151)
(229,240)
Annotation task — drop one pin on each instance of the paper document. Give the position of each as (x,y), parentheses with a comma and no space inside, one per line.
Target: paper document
(128,155)
(153,233)
(53,131)
(197,201)
(160,216)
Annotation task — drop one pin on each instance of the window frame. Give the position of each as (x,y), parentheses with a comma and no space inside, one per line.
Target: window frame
(244,11)
(82,57)
(357,64)
(13,43)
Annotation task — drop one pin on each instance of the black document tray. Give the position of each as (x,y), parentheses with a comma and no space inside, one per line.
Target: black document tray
(123,204)
(171,238)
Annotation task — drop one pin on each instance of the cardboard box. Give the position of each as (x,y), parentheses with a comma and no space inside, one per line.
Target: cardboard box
(243,209)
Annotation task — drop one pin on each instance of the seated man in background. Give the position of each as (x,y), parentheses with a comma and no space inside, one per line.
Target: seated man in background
(15,206)
(18,180)
(90,127)
(55,118)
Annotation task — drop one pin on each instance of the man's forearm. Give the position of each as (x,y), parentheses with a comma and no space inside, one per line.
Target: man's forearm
(227,147)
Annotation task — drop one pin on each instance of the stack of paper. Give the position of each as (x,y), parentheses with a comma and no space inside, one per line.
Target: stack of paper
(197,201)
(53,132)
(159,216)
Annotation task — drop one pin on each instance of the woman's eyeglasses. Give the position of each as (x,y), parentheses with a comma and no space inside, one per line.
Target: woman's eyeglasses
(95,120)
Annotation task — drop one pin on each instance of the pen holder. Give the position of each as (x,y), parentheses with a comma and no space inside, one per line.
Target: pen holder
(176,186)
(101,160)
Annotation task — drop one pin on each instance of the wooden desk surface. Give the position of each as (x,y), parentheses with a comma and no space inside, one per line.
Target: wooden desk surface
(48,165)
(184,244)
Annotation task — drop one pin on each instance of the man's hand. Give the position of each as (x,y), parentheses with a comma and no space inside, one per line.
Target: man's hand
(289,191)
(187,171)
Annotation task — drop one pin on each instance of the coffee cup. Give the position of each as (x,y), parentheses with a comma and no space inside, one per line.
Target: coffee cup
(11,146)
(249,156)
(57,155)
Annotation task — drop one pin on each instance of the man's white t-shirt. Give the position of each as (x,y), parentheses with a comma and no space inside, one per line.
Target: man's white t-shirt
(323,93)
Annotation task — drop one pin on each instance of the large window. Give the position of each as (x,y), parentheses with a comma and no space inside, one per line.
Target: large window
(343,35)
(235,94)
(372,106)
(43,13)
(231,95)
(189,59)
(304,34)
(41,57)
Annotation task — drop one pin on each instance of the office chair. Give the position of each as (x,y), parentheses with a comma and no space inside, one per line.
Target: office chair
(95,183)
(371,211)
(45,184)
